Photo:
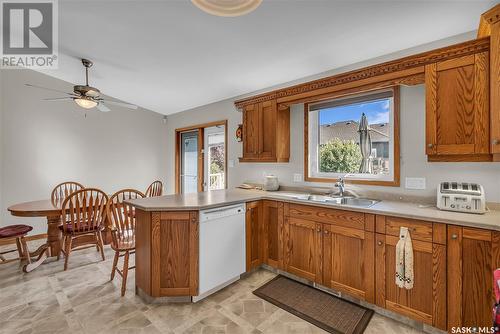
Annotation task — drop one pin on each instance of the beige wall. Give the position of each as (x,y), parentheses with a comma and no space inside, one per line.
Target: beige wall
(44,143)
(413,159)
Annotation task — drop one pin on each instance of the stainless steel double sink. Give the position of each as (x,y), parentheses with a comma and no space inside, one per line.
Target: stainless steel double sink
(345,200)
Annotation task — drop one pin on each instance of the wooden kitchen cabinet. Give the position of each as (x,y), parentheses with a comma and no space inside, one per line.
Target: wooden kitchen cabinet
(426,301)
(473,254)
(251,131)
(457,109)
(254,235)
(167,253)
(272,224)
(330,247)
(266,133)
(348,261)
(302,248)
(495,87)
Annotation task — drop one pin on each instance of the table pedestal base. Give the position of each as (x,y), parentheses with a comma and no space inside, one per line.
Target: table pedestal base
(41,254)
(54,235)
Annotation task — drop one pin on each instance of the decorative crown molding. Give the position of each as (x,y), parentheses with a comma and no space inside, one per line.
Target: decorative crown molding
(421,59)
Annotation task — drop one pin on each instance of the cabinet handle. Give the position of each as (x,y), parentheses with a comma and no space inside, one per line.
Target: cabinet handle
(495,141)
(326,232)
(380,243)
(318,230)
(430,145)
(454,236)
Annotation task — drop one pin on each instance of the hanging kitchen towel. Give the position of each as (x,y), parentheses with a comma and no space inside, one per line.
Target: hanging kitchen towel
(408,261)
(400,260)
(404,260)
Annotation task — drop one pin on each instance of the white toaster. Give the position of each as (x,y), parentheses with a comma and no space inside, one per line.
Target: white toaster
(461,197)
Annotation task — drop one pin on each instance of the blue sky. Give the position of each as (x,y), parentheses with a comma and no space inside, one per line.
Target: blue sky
(376,112)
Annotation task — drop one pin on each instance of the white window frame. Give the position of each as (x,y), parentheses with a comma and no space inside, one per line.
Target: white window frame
(313,139)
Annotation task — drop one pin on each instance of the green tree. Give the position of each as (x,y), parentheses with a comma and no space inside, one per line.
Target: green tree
(217,157)
(339,156)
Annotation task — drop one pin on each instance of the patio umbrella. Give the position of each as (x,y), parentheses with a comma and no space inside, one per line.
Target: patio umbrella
(365,144)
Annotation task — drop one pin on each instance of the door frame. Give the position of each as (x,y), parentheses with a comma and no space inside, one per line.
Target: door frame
(201,156)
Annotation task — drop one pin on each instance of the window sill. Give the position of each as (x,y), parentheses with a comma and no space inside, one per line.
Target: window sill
(394,183)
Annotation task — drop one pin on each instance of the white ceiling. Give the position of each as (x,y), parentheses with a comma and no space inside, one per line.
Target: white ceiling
(168,56)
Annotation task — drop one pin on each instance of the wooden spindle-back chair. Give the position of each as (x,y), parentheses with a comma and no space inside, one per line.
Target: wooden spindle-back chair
(63,190)
(122,218)
(84,212)
(154,189)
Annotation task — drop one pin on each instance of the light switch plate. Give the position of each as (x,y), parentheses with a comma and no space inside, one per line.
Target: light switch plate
(297,177)
(417,183)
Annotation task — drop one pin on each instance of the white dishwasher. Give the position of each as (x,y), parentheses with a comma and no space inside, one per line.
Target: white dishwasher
(222,248)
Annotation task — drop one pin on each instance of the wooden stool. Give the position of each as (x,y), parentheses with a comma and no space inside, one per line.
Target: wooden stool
(17,233)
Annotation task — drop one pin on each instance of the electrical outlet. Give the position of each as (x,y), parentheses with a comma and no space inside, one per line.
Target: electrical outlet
(297,177)
(417,183)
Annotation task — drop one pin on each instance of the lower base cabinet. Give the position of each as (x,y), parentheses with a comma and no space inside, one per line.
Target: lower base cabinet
(473,254)
(302,248)
(272,227)
(325,249)
(355,253)
(167,253)
(426,301)
(348,261)
(254,235)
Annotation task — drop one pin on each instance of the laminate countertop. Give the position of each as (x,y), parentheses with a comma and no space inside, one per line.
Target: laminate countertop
(405,209)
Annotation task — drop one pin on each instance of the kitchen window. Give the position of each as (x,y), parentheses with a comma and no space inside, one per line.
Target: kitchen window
(355,137)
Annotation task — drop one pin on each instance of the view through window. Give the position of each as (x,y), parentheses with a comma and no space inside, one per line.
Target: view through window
(352,137)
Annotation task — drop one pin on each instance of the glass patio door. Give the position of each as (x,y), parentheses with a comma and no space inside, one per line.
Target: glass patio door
(189,162)
(214,163)
(200,158)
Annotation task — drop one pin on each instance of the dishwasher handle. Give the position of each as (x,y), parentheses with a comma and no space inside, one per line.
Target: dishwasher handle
(218,213)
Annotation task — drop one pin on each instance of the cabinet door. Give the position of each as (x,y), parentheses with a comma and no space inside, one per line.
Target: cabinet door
(251,131)
(348,261)
(302,239)
(472,256)
(426,301)
(254,242)
(174,252)
(495,88)
(273,227)
(267,138)
(457,106)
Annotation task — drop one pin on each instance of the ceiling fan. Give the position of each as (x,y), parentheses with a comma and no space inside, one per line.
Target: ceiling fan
(86,96)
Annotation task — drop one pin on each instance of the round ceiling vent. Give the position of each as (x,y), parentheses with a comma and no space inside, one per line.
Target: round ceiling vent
(227,7)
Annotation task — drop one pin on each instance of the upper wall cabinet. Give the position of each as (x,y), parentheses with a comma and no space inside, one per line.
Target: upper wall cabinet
(457,109)
(266,133)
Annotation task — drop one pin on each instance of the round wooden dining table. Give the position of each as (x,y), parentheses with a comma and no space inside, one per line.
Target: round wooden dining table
(52,211)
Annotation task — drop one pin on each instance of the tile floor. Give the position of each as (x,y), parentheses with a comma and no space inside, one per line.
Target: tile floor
(83,300)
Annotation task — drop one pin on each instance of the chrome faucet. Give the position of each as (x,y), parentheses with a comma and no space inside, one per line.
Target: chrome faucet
(341,185)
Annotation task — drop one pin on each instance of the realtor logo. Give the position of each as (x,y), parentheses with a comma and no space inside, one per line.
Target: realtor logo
(29,34)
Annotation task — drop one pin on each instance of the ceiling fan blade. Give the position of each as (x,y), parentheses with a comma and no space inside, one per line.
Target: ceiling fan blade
(59,99)
(54,90)
(121,104)
(102,107)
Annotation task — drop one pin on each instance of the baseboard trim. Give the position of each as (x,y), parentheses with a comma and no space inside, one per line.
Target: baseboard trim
(11,241)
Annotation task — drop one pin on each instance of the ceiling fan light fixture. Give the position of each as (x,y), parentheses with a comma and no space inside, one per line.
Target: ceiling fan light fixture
(227,8)
(85,103)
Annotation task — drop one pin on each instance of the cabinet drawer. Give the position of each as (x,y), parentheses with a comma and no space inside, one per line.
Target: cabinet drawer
(419,230)
(329,216)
